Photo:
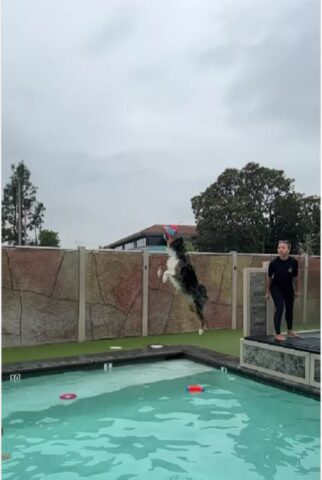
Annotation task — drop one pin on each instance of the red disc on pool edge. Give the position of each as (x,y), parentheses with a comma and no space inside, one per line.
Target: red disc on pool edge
(195,389)
(68,396)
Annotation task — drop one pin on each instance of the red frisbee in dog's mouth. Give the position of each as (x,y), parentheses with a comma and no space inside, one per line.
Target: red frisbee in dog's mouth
(171,231)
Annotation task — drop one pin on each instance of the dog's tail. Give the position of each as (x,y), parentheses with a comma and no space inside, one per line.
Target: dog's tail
(199,302)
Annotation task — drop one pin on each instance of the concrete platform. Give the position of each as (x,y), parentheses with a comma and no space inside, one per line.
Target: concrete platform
(308,342)
(295,359)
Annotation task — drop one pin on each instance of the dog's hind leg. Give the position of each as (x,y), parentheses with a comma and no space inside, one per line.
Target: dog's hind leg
(201,317)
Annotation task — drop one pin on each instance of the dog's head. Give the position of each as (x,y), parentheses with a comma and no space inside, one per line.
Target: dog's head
(177,244)
(172,238)
(170,233)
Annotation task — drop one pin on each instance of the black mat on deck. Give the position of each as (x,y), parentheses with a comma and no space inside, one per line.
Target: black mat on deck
(305,343)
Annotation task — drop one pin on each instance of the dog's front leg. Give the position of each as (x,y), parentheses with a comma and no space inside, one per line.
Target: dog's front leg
(160,270)
(165,276)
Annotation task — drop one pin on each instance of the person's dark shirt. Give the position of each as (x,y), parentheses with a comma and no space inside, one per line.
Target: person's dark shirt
(282,273)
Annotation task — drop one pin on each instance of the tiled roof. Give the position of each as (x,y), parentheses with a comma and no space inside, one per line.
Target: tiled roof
(184,230)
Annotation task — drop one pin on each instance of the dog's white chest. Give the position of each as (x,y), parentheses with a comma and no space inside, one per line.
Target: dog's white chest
(172,262)
(171,268)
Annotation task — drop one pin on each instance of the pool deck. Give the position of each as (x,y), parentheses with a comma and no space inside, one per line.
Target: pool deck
(305,343)
(148,354)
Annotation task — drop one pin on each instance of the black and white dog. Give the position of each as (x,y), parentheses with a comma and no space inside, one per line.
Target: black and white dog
(183,277)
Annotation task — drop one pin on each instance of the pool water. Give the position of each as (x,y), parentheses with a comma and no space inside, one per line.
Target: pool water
(139,422)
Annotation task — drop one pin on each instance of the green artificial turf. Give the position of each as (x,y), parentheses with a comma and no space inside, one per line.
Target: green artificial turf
(223,341)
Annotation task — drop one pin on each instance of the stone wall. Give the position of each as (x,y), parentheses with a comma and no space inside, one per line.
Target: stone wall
(314,291)
(278,361)
(113,294)
(40,294)
(257,305)
(246,261)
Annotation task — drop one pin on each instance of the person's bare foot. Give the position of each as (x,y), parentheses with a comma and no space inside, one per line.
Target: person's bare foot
(279,337)
(291,333)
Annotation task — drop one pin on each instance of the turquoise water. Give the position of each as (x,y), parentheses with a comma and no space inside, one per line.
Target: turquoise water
(139,422)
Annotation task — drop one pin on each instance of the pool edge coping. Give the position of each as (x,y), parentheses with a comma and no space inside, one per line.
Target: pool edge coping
(168,352)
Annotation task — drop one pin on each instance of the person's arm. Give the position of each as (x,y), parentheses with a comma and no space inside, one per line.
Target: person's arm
(268,286)
(269,280)
(296,279)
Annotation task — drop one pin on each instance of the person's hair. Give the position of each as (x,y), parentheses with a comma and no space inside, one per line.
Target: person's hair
(286,242)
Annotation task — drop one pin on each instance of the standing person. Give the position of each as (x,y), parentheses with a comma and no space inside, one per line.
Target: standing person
(281,273)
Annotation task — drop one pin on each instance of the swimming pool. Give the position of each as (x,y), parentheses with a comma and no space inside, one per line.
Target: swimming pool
(138,422)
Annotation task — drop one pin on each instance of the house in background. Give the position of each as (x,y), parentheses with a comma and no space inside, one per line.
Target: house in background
(151,239)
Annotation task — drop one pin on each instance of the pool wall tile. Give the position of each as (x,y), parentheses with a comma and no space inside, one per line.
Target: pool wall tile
(294,365)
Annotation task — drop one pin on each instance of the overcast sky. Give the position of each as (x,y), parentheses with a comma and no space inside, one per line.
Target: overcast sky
(124,109)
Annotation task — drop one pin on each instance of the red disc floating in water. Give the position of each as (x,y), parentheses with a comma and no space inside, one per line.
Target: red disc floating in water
(195,389)
(68,396)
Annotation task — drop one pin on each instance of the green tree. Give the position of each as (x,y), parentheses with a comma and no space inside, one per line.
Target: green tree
(32,212)
(310,213)
(190,245)
(48,238)
(287,221)
(37,219)
(249,210)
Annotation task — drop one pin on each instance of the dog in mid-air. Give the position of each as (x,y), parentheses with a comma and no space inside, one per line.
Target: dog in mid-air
(182,274)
